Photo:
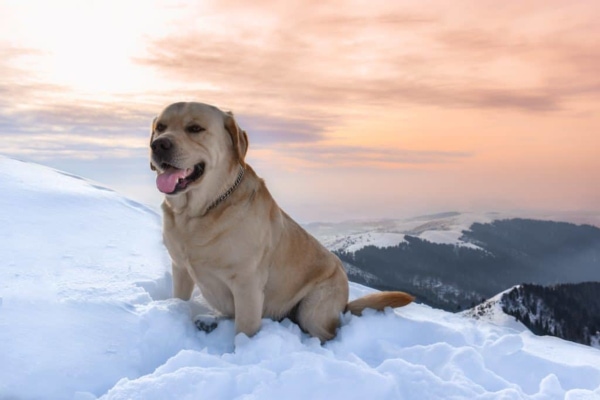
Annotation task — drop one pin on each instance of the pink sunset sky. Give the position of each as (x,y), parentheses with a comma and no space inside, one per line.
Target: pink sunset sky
(354,109)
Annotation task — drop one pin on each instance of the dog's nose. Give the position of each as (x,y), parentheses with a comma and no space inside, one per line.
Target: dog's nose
(161,145)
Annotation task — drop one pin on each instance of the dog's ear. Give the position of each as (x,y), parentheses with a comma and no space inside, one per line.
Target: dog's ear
(238,137)
(151,139)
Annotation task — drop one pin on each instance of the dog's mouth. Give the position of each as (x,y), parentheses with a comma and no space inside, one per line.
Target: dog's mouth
(173,180)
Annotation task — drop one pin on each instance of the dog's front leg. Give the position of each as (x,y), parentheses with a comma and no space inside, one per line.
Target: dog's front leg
(183,284)
(248,303)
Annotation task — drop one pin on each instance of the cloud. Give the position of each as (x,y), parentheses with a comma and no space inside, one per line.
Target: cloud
(68,129)
(320,155)
(71,129)
(273,130)
(329,58)
(47,120)
(258,79)
(94,130)
(44,120)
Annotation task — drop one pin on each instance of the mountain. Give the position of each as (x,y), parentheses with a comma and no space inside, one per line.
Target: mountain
(454,261)
(491,310)
(442,228)
(86,313)
(568,311)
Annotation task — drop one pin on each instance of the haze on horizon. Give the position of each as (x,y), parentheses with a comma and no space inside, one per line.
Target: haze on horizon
(354,109)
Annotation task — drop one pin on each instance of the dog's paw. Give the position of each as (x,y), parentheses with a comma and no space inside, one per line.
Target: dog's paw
(206,323)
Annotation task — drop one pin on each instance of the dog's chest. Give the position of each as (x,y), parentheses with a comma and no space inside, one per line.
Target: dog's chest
(194,243)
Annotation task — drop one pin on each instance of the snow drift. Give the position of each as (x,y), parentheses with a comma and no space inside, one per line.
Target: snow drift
(85,313)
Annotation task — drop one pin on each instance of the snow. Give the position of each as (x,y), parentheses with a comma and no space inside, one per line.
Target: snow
(491,311)
(595,342)
(353,243)
(85,313)
(447,237)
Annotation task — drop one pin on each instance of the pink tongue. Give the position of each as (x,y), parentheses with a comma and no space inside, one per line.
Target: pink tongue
(167,181)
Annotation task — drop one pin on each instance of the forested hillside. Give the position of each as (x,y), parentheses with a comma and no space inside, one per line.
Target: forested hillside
(569,311)
(457,277)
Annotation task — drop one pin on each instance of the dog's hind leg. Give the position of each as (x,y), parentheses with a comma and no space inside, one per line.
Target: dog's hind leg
(319,311)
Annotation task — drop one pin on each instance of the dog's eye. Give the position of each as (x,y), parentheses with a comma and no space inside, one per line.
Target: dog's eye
(194,128)
(160,127)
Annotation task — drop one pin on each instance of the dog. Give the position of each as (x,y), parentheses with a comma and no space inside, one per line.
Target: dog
(226,234)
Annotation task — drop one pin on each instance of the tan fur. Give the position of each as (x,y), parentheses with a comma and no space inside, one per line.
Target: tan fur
(248,257)
(379,301)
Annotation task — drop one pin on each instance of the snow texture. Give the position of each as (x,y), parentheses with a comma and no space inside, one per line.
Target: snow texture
(85,313)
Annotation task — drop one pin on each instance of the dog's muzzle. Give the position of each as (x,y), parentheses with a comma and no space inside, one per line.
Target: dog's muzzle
(171,178)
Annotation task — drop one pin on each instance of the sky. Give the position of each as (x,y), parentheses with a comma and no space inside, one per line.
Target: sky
(354,109)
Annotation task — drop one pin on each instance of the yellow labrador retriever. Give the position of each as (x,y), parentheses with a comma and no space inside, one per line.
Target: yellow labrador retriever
(226,234)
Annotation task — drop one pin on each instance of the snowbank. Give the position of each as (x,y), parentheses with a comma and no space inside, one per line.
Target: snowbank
(85,313)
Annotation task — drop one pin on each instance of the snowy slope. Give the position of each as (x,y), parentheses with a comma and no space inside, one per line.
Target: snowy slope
(491,311)
(444,228)
(85,314)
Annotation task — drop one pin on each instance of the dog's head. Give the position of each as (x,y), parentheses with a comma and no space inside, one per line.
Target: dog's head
(190,141)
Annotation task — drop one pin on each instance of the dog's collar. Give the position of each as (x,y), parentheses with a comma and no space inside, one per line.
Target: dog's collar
(228,192)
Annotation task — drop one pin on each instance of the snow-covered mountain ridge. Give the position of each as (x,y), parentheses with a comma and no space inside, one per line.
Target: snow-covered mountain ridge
(85,313)
(443,228)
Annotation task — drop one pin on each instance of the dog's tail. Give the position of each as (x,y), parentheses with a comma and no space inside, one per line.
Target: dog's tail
(379,301)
